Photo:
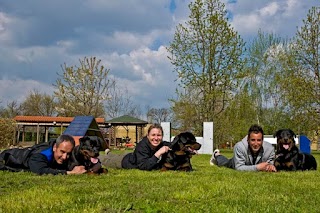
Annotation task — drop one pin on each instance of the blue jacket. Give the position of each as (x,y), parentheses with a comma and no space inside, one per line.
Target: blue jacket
(38,159)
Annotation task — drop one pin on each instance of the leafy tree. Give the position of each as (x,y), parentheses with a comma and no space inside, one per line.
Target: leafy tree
(300,80)
(7,129)
(185,113)
(206,54)
(38,104)
(261,72)
(83,89)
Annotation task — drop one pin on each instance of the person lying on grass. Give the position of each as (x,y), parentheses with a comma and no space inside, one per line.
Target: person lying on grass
(250,154)
(44,158)
(146,156)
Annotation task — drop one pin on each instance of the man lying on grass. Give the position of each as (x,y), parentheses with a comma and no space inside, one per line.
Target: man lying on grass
(44,158)
(250,154)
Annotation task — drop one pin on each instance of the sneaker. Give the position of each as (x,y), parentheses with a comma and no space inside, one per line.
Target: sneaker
(106,151)
(215,153)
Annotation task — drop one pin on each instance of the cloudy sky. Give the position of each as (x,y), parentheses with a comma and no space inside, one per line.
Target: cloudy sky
(129,36)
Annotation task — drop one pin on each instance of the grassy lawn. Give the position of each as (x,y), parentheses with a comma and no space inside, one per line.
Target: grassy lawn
(206,189)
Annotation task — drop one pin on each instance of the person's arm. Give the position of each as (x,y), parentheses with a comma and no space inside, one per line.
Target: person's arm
(270,154)
(145,161)
(39,164)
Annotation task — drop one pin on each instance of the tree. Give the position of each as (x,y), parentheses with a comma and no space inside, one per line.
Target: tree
(158,115)
(38,104)
(263,70)
(307,55)
(119,103)
(206,54)
(300,81)
(83,90)
(185,113)
(13,109)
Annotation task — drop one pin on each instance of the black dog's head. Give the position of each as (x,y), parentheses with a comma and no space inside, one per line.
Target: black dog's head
(185,143)
(285,140)
(89,147)
(86,154)
(182,148)
(288,156)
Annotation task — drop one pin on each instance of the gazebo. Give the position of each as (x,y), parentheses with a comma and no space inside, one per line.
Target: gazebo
(127,122)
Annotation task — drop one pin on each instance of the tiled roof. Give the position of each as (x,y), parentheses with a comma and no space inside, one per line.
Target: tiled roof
(44,119)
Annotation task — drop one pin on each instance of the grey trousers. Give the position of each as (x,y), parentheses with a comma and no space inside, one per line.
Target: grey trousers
(112,160)
(224,161)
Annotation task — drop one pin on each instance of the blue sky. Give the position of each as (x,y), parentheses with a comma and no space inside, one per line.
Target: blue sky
(129,36)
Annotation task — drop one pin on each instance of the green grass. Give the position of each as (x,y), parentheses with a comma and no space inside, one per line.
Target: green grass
(206,189)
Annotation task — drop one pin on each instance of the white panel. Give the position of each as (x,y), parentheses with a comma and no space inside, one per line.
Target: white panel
(166,126)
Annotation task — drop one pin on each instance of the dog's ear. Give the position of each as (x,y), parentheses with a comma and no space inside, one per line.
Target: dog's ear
(190,136)
(291,132)
(277,133)
(82,141)
(175,140)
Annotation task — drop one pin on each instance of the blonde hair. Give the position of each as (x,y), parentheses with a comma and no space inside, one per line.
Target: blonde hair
(155,126)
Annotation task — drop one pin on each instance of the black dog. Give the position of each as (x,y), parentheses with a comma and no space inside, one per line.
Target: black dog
(86,154)
(182,148)
(288,156)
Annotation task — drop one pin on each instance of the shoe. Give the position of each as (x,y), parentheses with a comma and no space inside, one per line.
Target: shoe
(107,151)
(215,153)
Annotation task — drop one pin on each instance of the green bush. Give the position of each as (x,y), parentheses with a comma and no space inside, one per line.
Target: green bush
(7,130)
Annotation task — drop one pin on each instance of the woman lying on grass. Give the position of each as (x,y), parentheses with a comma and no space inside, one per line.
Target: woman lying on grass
(146,156)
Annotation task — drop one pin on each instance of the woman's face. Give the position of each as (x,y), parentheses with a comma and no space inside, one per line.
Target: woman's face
(155,137)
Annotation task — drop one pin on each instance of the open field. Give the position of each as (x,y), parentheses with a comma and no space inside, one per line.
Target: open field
(206,189)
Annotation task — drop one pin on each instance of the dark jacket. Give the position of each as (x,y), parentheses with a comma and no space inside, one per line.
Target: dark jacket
(143,156)
(38,159)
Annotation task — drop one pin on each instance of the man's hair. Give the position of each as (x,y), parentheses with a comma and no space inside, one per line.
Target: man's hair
(155,126)
(255,128)
(63,138)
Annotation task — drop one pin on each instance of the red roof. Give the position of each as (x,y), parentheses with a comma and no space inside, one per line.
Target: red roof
(44,119)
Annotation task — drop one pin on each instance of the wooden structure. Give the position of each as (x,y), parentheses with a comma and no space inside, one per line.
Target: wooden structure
(126,122)
(84,126)
(114,130)
(44,123)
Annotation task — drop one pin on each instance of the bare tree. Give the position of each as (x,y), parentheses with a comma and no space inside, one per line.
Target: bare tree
(159,115)
(119,103)
(13,109)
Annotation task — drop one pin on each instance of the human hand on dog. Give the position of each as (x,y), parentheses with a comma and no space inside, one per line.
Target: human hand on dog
(265,166)
(77,170)
(161,151)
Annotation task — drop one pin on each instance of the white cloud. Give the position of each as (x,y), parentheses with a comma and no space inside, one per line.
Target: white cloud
(129,36)
(19,89)
(270,9)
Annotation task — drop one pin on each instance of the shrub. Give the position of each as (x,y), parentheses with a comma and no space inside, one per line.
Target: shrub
(7,129)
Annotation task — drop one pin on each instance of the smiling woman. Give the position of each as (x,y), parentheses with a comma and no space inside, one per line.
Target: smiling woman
(146,156)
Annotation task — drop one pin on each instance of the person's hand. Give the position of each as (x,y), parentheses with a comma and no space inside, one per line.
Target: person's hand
(271,168)
(265,166)
(77,170)
(161,151)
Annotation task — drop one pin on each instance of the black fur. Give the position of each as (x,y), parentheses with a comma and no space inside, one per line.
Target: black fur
(86,154)
(288,156)
(182,147)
